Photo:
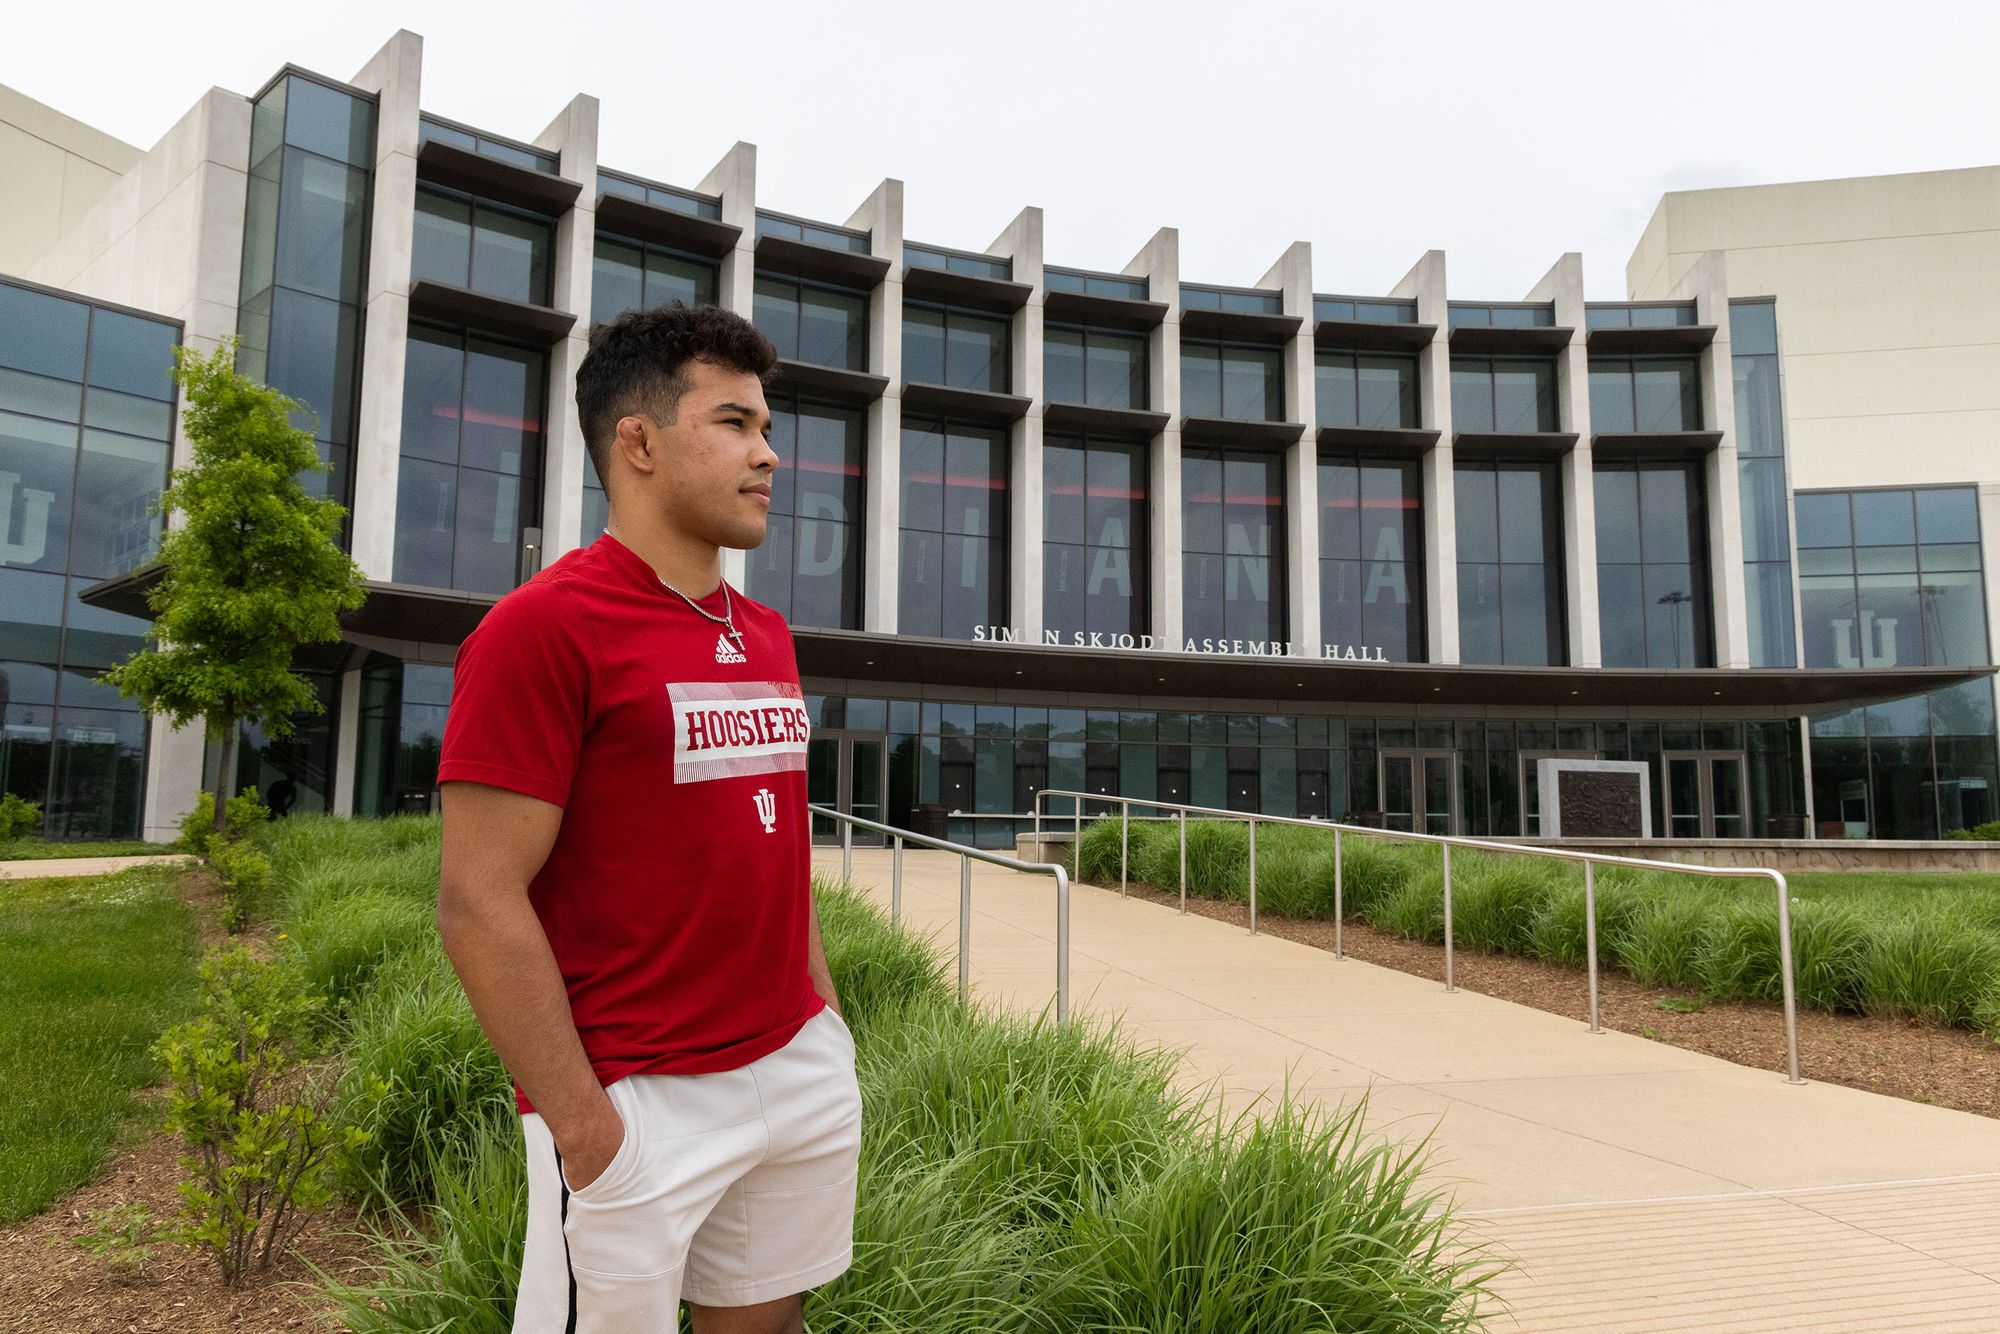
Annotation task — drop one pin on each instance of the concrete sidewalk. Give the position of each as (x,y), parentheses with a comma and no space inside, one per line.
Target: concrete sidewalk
(1637,1186)
(49,867)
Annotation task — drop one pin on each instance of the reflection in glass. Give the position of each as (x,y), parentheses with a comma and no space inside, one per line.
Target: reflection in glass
(1371,556)
(1234,538)
(1510,586)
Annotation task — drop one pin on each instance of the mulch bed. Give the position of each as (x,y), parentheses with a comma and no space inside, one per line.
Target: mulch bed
(54,1286)
(1901,1057)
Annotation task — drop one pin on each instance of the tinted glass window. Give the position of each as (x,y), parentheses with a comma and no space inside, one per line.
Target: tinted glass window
(954,539)
(43,333)
(131,355)
(809,567)
(1510,587)
(1234,538)
(1371,553)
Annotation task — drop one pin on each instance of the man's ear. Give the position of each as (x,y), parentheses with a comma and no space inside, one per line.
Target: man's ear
(629,441)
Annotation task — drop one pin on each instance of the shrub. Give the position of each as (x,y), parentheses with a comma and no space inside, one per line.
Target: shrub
(19,817)
(1932,967)
(245,874)
(1984,833)
(250,1112)
(246,815)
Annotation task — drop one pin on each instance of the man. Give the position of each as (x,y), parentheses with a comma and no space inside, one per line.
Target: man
(624,889)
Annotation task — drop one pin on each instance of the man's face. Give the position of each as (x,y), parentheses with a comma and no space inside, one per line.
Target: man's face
(713,465)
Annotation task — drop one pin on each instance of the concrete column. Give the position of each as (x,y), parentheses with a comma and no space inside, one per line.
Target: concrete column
(881,492)
(173,777)
(572,135)
(1707,284)
(1160,264)
(1563,285)
(395,75)
(734,181)
(1292,275)
(346,744)
(1425,284)
(1022,243)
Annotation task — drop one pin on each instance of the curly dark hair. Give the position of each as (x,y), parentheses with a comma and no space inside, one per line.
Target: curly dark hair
(638,364)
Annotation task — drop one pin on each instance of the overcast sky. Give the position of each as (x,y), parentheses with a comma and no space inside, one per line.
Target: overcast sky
(1503,132)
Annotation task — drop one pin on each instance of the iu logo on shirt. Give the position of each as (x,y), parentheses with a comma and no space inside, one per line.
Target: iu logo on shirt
(724,653)
(767,809)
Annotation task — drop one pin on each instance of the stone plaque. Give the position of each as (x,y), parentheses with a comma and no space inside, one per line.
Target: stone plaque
(1595,798)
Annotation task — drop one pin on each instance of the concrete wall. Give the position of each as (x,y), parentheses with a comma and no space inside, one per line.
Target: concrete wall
(56,170)
(1888,294)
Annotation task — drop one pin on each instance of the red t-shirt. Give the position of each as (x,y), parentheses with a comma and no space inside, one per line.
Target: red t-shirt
(676,895)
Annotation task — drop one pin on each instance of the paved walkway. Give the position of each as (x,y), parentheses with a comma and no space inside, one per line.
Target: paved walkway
(42,867)
(1637,1186)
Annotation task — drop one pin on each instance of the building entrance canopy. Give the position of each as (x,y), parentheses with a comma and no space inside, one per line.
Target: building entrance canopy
(430,615)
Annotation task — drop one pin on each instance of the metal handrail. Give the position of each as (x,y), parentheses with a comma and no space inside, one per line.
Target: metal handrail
(1446,842)
(966,856)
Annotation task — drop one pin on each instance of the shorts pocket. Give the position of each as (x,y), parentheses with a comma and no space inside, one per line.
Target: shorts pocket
(840,1025)
(622,1165)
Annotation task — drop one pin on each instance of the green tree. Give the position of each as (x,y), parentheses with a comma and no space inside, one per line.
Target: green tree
(255,572)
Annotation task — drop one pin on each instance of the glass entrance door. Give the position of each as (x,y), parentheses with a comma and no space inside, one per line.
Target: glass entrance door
(846,773)
(1705,794)
(1420,791)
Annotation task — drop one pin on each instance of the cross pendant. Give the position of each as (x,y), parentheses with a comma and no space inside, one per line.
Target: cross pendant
(736,635)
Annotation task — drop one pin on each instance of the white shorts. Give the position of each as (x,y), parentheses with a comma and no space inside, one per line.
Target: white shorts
(729,1189)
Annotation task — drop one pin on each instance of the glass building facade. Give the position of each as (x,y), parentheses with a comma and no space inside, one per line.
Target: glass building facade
(1893,578)
(86,439)
(305,255)
(1384,491)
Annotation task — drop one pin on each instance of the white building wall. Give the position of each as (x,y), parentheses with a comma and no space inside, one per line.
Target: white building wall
(395,75)
(1022,243)
(573,137)
(1888,293)
(1160,264)
(56,169)
(881,215)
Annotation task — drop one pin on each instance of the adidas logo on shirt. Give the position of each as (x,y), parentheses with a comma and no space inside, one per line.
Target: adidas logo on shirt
(724,653)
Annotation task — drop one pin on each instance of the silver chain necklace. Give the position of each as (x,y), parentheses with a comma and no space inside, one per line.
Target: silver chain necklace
(728,618)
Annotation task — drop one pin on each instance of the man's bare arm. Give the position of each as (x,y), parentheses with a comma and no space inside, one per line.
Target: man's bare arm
(495,842)
(822,976)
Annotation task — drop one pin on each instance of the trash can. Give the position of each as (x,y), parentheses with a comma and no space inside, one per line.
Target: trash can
(928,819)
(413,801)
(1788,826)
(1367,819)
